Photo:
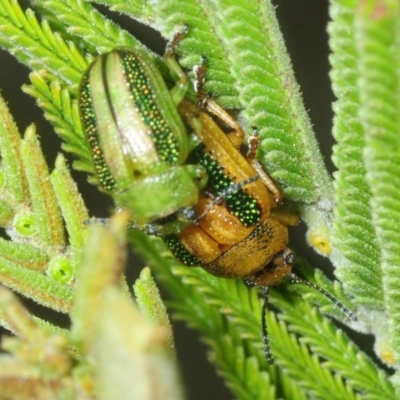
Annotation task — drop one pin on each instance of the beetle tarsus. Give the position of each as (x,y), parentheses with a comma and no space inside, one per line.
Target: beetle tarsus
(174,42)
(200,74)
(253,144)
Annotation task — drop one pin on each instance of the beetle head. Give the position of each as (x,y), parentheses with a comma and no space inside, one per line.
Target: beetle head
(275,271)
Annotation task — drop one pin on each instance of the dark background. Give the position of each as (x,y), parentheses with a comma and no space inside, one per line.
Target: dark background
(303,23)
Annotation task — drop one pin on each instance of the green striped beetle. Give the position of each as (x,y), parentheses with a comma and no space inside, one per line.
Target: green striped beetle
(138,142)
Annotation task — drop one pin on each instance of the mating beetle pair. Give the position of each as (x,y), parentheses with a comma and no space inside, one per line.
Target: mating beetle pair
(212,206)
(138,141)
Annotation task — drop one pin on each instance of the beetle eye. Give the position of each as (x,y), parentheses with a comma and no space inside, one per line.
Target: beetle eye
(289,258)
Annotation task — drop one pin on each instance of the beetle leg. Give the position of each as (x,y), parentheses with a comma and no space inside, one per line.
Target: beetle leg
(285,217)
(179,90)
(253,143)
(174,42)
(264,330)
(237,135)
(202,96)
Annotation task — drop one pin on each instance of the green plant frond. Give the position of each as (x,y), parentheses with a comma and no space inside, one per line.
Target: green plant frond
(6,213)
(48,219)
(60,60)
(36,286)
(241,373)
(47,363)
(37,262)
(378,38)
(37,361)
(200,40)
(84,21)
(36,46)
(56,25)
(62,112)
(12,321)
(141,10)
(149,302)
(364,40)
(290,389)
(294,357)
(11,167)
(357,257)
(329,342)
(72,208)
(26,255)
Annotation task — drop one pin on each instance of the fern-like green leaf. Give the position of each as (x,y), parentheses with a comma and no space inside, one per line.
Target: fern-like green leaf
(63,113)
(364,40)
(11,168)
(325,339)
(357,256)
(36,45)
(37,262)
(48,220)
(141,10)
(72,208)
(200,40)
(150,304)
(84,21)
(378,38)
(296,360)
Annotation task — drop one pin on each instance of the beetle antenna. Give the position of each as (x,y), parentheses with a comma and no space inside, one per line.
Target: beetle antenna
(332,299)
(264,330)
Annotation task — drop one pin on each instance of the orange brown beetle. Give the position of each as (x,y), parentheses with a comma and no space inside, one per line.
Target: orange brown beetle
(229,238)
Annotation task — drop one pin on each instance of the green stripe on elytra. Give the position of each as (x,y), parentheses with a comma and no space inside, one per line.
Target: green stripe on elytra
(106,181)
(143,96)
